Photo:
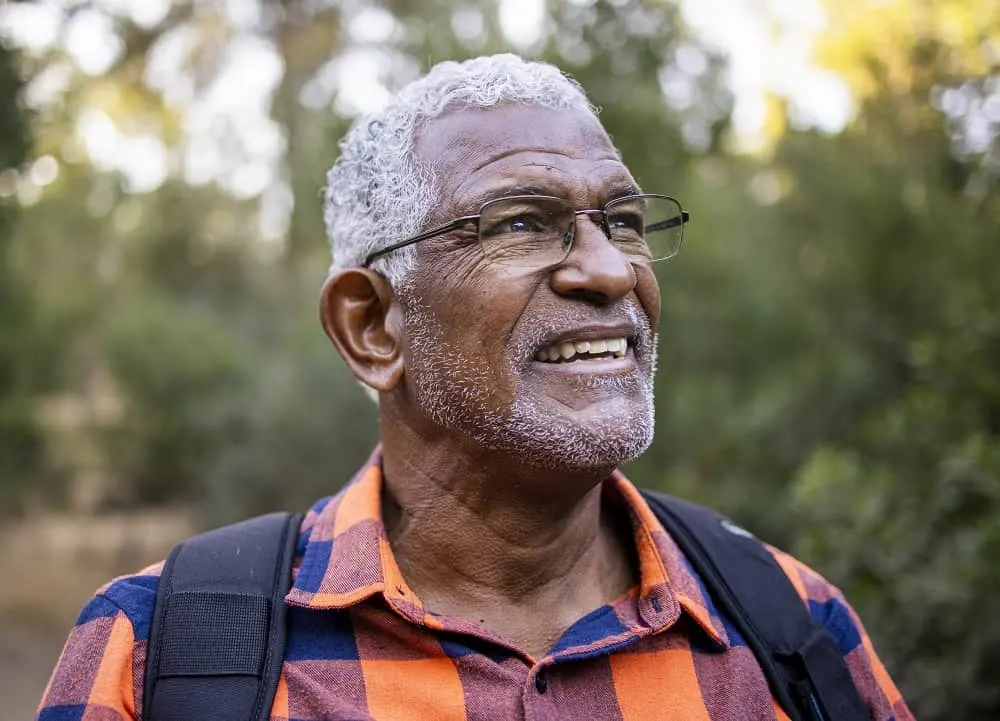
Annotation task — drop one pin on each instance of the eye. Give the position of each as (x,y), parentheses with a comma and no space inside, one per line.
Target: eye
(631,221)
(518,224)
(525,223)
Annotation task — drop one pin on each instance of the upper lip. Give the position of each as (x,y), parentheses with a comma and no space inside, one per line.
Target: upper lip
(592,332)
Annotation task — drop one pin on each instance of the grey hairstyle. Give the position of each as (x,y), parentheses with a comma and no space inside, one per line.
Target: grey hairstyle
(377,193)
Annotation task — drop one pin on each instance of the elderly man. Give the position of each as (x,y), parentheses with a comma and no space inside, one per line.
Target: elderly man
(492,283)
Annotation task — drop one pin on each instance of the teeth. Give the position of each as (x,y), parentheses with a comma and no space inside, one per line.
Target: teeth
(569,349)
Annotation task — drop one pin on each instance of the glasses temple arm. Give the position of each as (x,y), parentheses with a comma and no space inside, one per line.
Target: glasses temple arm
(440,230)
(681,219)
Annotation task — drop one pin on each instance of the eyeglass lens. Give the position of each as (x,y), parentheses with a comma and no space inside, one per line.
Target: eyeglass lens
(535,231)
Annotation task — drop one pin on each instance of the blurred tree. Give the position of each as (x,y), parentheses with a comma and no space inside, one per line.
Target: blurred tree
(20,436)
(901,498)
(829,368)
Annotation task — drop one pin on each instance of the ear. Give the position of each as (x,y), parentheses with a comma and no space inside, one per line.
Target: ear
(361,316)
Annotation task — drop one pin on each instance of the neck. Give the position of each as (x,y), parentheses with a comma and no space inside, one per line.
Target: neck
(471,530)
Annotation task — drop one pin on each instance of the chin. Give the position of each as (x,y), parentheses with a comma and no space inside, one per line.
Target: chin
(592,454)
(544,439)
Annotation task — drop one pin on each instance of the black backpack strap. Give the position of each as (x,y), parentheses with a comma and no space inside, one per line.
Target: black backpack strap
(218,631)
(799,657)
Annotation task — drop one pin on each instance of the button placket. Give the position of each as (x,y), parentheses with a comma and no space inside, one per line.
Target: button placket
(538,695)
(541,682)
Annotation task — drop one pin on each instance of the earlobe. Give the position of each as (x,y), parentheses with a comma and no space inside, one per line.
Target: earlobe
(360,315)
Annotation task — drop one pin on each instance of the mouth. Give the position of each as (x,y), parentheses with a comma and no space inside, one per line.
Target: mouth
(576,351)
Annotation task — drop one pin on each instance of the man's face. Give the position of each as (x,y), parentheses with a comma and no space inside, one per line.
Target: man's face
(481,337)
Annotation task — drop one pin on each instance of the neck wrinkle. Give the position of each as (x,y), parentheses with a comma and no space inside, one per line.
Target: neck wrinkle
(489,530)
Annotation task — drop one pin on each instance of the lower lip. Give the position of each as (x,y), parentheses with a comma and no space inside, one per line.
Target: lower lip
(595,366)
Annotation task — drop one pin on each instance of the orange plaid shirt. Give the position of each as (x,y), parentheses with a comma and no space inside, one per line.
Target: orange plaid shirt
(361,645)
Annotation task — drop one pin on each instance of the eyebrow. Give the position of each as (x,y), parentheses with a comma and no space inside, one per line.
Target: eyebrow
(617,191)
(621,191)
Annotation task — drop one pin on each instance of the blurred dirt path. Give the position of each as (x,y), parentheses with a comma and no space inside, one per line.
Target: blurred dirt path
(50,566)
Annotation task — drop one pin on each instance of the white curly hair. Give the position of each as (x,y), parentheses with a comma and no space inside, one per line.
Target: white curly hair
(377,193)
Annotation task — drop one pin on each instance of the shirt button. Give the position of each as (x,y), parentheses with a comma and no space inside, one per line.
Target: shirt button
(541,683)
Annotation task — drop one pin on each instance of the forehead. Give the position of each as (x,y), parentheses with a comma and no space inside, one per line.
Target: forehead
(481,153)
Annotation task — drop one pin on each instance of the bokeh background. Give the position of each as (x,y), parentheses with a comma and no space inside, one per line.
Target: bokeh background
(830,360)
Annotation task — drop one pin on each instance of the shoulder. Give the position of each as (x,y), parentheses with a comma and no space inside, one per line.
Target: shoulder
(826,603)
(807,581)
(133,595)
(829,607)
(96,673)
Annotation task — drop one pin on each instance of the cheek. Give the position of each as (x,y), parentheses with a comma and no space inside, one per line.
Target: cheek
(483,323)
(485,301)
(470,316)
(647,290)
(478,306)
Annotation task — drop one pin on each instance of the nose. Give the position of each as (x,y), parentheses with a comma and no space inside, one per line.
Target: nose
(595,270)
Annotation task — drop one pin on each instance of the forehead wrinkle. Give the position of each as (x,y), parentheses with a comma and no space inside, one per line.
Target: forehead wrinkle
(499,143)
(511,173)
(577,188)
(545,149)
(462,143)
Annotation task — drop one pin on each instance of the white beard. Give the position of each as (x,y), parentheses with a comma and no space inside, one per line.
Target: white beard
(455,393)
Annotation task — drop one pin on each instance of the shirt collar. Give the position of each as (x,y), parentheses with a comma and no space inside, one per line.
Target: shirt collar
(664,571)
(346,558)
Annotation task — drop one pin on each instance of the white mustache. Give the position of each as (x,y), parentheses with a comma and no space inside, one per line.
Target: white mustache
(525,347)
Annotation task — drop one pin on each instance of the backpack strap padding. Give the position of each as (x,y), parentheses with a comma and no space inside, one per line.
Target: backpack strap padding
(799,657)
(217,637)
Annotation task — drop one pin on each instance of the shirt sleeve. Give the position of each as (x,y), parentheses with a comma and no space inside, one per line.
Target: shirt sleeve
(100,671)
(828,606)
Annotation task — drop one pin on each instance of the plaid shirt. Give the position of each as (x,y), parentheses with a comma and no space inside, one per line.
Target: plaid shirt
(362,646)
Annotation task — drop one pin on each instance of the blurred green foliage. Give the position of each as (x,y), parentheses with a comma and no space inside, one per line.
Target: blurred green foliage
(20,435)
(830,341)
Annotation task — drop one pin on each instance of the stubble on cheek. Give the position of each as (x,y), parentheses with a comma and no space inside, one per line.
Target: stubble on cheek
(453,387)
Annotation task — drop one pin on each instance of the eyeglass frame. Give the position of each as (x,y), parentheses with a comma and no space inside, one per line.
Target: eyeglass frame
(684,219)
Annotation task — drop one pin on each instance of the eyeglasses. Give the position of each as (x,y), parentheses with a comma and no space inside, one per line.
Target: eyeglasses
(537,231)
